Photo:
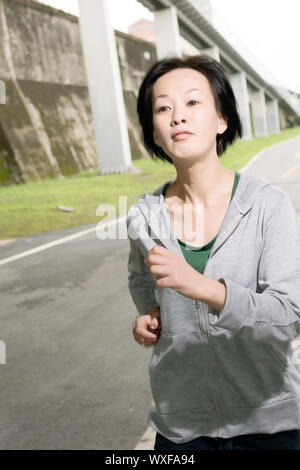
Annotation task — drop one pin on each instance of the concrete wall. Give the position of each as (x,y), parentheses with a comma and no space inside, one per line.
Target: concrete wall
(46,128)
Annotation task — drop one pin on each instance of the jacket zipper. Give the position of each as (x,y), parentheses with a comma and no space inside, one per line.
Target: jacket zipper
(206,334)
(204,330)
(204,327)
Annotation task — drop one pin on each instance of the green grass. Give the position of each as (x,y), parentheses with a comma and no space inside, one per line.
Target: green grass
(29,209)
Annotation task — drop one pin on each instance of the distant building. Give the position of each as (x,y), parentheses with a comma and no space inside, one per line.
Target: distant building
(145,29)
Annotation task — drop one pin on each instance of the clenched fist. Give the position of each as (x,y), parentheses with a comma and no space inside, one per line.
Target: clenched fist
(146,328)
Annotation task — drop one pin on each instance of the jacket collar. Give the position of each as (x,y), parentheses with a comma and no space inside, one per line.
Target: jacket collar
(153,208)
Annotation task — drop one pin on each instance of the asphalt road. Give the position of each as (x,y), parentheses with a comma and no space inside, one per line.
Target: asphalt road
(281,165)
(74,378)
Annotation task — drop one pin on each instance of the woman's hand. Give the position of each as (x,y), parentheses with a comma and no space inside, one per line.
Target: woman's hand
(146,328)
(171,270)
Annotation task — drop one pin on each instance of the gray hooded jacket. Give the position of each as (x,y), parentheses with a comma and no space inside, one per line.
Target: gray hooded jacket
(236,371)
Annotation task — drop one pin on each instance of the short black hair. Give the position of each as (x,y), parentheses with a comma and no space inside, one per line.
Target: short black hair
(221,89)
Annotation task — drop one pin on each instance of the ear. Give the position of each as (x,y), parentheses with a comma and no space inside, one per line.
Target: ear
(222,125)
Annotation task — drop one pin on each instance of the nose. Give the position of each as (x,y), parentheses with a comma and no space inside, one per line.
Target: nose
(178,117)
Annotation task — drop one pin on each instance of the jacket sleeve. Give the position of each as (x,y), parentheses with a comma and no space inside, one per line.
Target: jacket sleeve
(140,281)
(274,309)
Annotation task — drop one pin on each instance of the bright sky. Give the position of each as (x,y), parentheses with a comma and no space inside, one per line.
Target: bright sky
(269,28)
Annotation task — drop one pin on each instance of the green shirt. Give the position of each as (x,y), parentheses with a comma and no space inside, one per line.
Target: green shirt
(197,257)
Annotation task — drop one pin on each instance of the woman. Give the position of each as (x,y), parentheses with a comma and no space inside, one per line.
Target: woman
(220,304)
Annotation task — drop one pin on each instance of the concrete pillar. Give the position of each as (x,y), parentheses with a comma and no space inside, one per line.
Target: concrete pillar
(2,92)
(239,85)
(212,52)
(259,113)
(273,117)
(105,87)
(282,119)
(167,33)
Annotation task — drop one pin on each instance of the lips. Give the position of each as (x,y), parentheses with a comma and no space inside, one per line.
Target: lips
(181,135)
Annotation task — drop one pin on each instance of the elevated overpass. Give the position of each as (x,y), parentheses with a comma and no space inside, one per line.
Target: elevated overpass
(271,106)
(264,107)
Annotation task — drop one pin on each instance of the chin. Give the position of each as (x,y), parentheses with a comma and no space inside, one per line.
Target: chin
(187,155)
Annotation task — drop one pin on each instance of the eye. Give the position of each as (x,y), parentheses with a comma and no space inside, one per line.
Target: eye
(162,107)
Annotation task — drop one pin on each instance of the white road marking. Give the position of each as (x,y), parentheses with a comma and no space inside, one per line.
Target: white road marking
(259,154)
(147,440)
(46,246)
(287,173)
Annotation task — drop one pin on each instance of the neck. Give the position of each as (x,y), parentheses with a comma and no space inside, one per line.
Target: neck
(202,182)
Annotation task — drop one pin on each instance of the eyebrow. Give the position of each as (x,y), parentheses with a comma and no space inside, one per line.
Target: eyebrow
(188,91)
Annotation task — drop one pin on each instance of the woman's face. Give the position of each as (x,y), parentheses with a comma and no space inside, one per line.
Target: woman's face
(183,109)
